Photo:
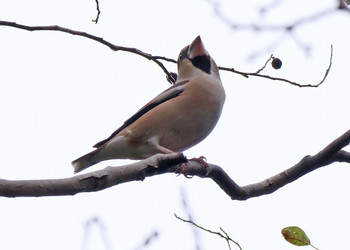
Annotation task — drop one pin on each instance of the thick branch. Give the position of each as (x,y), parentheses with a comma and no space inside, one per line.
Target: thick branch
(330,154)
(160,164)
(95,181)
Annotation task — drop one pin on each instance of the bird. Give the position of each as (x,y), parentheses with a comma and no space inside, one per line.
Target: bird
(175,120)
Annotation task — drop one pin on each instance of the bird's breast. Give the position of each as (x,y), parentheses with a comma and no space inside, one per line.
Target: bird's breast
(181,122)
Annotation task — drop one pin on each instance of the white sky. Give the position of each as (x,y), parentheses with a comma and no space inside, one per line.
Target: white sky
(60,94)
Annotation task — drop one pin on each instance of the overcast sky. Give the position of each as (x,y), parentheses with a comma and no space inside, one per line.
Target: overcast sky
(60,94)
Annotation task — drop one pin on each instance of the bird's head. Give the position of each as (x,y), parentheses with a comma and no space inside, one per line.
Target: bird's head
(194,60)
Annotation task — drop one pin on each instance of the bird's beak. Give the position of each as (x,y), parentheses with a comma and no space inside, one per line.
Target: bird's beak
(197,48)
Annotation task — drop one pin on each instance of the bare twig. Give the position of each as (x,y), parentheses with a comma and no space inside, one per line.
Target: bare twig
(190,217)
(150,238)
(225,236)
(266,8)
(155,59)
(287,28)
(261,27)
(263,67)
(98,12)
(247,75)
(96,221)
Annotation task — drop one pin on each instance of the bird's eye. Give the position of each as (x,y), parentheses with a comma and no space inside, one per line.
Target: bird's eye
(183,54)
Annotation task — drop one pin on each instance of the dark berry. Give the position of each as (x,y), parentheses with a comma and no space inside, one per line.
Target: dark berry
(276,63)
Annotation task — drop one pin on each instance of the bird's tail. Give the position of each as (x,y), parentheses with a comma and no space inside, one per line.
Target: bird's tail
(86,161)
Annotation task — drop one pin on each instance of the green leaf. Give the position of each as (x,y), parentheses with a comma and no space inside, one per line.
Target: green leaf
(295,236)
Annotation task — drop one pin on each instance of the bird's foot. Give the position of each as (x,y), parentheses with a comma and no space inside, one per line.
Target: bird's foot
(201,160)
(183,169)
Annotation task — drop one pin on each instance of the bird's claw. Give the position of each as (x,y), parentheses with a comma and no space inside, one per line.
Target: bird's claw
(201,160)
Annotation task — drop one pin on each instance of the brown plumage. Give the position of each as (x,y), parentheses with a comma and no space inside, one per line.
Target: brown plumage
(175,120)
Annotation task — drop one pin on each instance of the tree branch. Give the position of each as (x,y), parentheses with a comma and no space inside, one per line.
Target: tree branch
(247,75)
(170,163)
(94,181)
(287,28)
(98,12)
(95,38)
(156,59)
(160,164)
(330,154)
(222,235)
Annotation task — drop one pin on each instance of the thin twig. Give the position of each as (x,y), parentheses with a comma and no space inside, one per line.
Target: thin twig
(147,242)
(247,75)
(98,12)
(96,221)
(226,236)
(285,29)
(190,217)
(155,59)
(263,67)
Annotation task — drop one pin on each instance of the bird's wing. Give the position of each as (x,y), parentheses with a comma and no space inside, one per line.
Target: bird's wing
(166,95)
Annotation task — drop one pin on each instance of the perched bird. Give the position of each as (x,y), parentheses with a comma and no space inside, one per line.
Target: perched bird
(175,120)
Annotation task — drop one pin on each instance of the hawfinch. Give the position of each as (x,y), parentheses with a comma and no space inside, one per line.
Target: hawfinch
(175,120)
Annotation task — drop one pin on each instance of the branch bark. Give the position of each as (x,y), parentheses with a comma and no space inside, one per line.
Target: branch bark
(170,163)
